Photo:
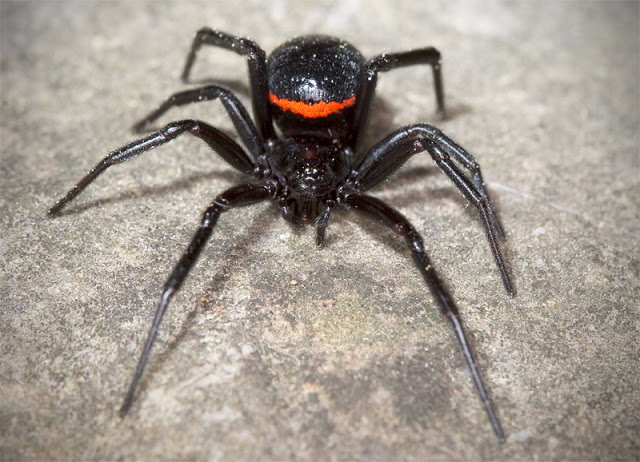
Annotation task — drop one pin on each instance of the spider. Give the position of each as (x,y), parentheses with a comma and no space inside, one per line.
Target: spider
(318,90)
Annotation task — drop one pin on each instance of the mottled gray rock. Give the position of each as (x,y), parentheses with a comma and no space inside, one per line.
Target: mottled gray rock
(274,350)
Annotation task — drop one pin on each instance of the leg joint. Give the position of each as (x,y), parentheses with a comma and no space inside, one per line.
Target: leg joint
(411,236)
(175,129)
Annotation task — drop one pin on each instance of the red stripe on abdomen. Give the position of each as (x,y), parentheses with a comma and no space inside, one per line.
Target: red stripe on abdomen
(311,111)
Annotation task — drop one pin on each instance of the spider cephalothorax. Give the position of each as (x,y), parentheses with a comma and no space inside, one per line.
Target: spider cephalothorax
(318,90)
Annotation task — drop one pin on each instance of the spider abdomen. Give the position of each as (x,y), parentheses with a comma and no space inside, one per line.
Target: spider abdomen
(313,82)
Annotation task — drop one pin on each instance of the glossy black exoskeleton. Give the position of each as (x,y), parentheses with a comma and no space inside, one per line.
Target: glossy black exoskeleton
(318,91)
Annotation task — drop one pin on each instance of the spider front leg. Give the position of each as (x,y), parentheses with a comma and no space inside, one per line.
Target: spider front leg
(399,224)
(389,154)
(234,197)
(228,149)
(257,63)
(237,113)
(393,151)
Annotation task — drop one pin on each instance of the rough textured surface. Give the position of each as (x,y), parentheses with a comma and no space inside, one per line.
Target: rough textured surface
(276,351)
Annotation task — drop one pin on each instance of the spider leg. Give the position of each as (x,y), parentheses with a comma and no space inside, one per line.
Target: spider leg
(393,151)
(389,61)
(234,197)
(228,149)
(257,63)
(399,224)
(389,154)
(238,114)
(471,164)
(475,197)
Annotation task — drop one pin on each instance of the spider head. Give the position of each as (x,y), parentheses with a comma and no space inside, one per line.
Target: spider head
(310,170)
(308,166)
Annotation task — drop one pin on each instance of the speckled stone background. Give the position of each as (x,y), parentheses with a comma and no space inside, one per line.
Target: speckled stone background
(274,350)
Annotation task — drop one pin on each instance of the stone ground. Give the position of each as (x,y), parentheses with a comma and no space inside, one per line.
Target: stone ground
(276,351)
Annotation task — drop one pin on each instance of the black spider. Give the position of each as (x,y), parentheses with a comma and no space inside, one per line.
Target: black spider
(318,90)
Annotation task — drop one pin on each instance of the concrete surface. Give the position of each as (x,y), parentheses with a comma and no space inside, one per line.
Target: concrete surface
(276,351)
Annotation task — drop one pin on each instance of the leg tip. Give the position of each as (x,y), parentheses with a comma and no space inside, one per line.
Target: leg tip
(54,211)
(511,291)
(139,127)
(124,409)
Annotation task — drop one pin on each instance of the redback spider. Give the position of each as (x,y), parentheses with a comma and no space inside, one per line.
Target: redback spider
(318,90)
